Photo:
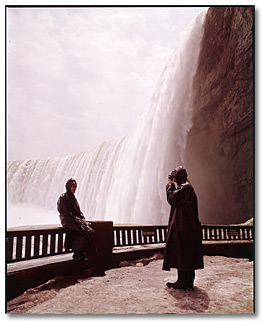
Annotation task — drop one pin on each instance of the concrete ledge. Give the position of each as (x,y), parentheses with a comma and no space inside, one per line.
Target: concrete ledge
(239,249)
(136,252)
(28,274)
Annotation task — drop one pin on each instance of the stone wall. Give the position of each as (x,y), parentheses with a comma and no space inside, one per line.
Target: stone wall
(219,152)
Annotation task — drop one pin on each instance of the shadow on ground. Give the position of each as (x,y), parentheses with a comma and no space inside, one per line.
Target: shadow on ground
(191,300)
(45,291)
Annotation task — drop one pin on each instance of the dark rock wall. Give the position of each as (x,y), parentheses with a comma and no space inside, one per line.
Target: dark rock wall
(219,152)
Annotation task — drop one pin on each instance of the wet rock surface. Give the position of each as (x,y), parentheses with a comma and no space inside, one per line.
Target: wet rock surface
(219,151)
(224,286)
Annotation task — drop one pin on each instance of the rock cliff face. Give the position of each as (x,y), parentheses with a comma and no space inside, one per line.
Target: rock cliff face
(219,152)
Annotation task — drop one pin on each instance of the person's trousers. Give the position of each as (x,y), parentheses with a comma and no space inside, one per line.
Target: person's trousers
(186,278)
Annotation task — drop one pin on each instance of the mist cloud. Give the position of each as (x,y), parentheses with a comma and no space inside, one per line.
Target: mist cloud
(79,76)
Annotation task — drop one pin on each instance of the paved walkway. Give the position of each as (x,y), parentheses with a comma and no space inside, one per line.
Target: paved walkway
(224,286)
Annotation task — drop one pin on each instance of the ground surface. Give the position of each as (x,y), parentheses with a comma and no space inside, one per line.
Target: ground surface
(224,286)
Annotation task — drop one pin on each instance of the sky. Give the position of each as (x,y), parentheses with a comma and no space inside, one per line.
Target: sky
(79,76)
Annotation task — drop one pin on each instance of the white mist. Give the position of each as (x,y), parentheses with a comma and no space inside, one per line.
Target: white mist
(124,179)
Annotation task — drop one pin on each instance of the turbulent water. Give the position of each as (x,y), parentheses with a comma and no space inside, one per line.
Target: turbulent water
(124,179)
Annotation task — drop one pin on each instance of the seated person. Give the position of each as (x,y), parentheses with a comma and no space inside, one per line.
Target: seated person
(79,234)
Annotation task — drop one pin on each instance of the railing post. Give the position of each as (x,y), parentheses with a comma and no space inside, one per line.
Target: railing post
(104,240)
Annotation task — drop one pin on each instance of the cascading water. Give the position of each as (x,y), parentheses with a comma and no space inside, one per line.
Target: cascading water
(124,179)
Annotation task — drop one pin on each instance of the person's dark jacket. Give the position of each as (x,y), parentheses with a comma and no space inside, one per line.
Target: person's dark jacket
(184,239)
(69,210)
(71,217)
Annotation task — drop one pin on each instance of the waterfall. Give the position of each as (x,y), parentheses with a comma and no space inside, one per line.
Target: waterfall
(124,179)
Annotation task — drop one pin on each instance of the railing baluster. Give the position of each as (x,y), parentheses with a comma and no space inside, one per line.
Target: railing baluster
(203,233)
(121,233)
(217,233)
(137,234)
(19,248)
(133,236)
(114,238)
(158,234)
(120,237)
(129,237)
(28,246)
(45,245)
(36,245)
(117,237)
(240,233)
(60,243)
(223,234)
(140,233)
(208,234)
(52,244)
(250,231)
(155,238)
(124,238)
(118,244)
(64,243)
(165,232)
(10,241)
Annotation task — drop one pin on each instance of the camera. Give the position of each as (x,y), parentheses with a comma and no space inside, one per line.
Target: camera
(170,177)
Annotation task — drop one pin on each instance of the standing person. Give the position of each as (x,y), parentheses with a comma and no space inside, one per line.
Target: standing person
(79,234)
(183,249)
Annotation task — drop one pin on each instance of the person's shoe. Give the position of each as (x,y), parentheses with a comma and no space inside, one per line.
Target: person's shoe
(78,256)
(75,256)
(169,284)
(190,280)
(176,285)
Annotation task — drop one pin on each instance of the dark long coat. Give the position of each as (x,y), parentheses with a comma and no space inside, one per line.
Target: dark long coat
(70,215)
(184,239)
